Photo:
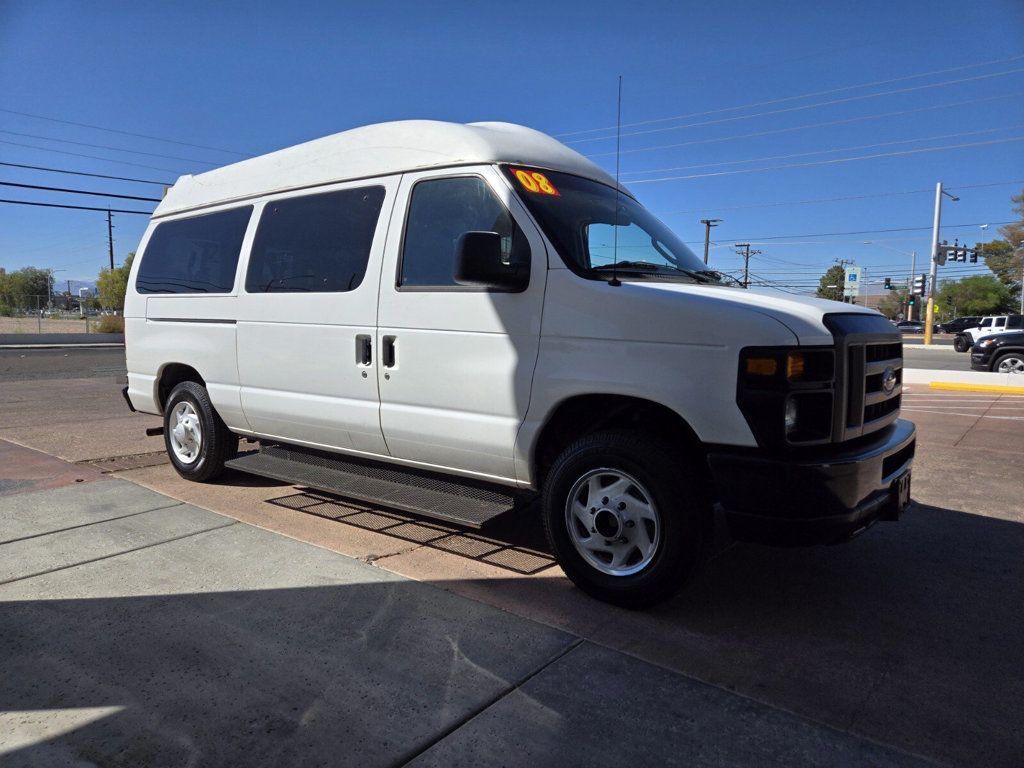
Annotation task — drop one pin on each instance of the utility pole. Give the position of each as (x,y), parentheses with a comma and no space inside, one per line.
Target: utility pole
(747,253)
(910,285)
(110,240)
(708,224)
(932,272)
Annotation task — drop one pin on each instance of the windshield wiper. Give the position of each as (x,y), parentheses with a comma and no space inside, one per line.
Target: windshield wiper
(635,266)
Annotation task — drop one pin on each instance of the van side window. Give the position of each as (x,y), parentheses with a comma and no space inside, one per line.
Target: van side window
(315,243)
(194,255)
(441,210)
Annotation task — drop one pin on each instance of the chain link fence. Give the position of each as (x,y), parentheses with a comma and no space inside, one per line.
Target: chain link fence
(55,314)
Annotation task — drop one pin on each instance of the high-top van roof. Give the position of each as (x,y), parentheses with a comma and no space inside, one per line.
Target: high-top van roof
(376,150)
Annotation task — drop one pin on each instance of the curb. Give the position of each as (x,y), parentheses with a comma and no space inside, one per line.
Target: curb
(958,387)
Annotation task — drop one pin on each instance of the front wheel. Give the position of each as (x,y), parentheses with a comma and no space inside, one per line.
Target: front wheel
(961,344)
(197,440)
(624,515)
(1011,362)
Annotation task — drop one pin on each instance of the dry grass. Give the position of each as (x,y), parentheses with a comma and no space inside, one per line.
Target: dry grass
(46,326)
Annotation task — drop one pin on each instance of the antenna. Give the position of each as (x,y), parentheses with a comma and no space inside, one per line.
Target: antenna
(615,229)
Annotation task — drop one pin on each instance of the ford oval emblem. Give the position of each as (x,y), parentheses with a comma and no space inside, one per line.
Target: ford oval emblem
(889,380)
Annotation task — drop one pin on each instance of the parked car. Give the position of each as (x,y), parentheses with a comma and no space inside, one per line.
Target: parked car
(911,326)
(434,317)
(959,324)
(1002,353)
(989,325)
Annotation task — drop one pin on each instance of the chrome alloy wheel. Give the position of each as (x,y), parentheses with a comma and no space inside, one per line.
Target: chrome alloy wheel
(186,432)
(1012,364)
(612,522)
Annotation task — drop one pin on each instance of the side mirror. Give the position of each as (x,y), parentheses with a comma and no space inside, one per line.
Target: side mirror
(478,263)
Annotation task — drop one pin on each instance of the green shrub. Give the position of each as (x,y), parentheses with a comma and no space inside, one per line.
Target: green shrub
(5,310)
(110,324)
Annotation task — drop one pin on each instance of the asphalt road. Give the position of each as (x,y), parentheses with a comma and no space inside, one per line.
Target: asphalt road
(63,363)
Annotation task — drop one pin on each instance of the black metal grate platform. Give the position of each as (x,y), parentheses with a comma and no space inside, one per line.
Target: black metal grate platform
(514,543)
(464,502)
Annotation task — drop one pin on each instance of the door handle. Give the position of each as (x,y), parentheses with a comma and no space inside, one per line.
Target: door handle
(364,349)
(388,356)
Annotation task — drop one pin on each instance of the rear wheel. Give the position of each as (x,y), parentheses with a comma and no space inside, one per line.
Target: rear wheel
(197,440)
(624,516)
(961,344)
(1011,362)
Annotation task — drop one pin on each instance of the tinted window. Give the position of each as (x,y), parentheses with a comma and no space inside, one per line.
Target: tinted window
(317,243)
(1015,321)
(999,322)
(196,255)
(593,227)
(440,211)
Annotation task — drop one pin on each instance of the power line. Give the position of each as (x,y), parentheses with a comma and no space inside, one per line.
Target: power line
(75,207)
(825,124)
(812,106)
(826,151)
(83,173)
(79,191)
(107,146)
(91,157)
(816,201)
(798,97)
(860,231)
(877,155)
(123,133)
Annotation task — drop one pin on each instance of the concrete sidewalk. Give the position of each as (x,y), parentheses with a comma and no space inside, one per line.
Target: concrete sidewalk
(136,630)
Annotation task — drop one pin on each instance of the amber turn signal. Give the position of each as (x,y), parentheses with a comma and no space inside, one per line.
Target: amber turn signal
(762,366)
(794,366)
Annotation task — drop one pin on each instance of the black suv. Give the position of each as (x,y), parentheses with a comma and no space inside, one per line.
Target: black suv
(957,325)
(1003,353)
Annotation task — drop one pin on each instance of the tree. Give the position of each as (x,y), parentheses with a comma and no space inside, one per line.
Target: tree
(998,256)
(835,277)
(975,295)
(22,286)
(894,303)
(112,284)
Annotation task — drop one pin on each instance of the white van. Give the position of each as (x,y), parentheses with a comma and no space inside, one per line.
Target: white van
(454,319)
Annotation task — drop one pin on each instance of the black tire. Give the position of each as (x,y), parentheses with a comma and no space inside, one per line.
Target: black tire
(217,443)
(1005,357)
(677,491)
(961,343)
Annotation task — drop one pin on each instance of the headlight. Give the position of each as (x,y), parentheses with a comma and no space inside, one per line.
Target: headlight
(787,394)
(790,414)
(986,342)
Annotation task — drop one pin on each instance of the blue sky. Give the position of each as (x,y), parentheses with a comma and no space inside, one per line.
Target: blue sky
(254,77)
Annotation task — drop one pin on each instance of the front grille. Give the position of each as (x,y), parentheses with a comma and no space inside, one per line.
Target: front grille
(870,367)
(867,347)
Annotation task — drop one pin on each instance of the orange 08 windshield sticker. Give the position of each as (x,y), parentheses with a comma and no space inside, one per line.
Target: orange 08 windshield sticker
(534,181)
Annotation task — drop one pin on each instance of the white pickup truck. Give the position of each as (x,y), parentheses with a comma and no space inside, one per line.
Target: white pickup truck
(990,325)
(456,319)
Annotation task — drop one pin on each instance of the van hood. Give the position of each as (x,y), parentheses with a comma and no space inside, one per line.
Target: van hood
(803,315)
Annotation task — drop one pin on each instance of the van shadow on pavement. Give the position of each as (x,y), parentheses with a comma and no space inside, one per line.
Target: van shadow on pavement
(910,635)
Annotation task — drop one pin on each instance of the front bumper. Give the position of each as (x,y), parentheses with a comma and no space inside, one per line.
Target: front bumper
(822,497)
(982,361)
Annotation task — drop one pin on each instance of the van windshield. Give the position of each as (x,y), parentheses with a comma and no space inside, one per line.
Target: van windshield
(598,232)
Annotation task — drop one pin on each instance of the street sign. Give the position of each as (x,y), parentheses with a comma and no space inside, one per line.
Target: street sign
(853,280)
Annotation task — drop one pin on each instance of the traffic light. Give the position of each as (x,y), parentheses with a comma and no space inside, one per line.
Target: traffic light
(911,301)
(919,283)
(961,254)
(974,257)
(888,284)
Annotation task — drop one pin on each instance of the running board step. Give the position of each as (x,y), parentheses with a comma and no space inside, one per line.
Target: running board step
(464,502)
